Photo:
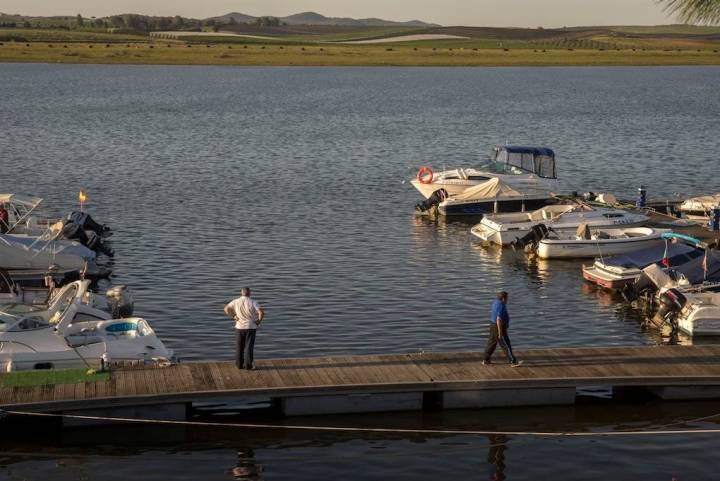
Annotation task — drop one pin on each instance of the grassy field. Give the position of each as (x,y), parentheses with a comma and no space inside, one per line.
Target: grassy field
(59,35)
(306,45)
(328,55)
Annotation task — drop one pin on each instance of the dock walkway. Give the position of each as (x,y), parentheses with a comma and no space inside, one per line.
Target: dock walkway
(342,384)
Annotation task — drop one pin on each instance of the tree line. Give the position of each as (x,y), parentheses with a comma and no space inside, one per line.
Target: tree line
(135,22)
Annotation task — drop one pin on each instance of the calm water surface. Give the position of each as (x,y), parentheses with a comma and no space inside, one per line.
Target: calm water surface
(294,181)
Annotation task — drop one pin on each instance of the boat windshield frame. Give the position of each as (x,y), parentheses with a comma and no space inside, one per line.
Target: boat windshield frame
(523,160)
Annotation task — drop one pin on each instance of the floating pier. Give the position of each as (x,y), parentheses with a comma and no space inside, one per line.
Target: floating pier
(378,383)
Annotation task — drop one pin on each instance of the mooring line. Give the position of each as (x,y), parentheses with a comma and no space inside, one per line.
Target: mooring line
(461,432)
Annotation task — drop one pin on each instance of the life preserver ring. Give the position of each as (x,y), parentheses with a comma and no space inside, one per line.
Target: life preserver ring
(422,176)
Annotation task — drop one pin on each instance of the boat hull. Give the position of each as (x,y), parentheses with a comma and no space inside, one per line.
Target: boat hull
(559,249)
(478,208)
(606,279)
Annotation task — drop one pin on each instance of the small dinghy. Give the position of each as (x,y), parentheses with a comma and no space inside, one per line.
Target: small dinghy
(76,328)
(615,272)
(598,242)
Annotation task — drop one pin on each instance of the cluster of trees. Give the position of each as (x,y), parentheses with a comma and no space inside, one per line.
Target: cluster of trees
(268,22)
(143,23)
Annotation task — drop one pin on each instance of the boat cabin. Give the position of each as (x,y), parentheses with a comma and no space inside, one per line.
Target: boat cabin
(518,160)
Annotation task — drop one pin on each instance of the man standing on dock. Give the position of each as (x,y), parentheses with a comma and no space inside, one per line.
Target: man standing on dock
(247,315)
(499,324)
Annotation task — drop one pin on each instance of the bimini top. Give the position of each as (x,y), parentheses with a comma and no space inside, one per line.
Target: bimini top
(519,149)
(516,159)
(20,199)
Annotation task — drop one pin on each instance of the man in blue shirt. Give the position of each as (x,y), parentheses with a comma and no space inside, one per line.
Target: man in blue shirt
(499,324)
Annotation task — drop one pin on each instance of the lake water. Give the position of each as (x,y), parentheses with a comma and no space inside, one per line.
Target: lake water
(294,181)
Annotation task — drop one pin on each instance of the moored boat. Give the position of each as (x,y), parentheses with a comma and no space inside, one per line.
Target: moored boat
(521,168)
(699,208)
(694,311)
(76,328)
(592,242)
(615,272)
(504,229)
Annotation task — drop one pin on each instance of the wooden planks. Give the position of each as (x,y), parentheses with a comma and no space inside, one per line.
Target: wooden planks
(564,367)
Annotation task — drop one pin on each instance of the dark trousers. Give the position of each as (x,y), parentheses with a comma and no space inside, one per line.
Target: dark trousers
(245,344)
(504,341)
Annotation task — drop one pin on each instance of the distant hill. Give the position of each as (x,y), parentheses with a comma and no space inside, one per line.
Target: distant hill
(313,18)
(237,16)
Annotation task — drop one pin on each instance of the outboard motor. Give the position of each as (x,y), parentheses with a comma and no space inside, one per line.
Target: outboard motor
(74,231)
(120,302)
(86,222)
(432,201)
(671,302)
(531,239)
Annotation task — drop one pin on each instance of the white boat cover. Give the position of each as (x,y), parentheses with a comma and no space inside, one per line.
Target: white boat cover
(706,201)
(492,189)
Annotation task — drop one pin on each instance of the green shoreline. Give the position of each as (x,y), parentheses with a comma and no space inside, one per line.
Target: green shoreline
(255,54)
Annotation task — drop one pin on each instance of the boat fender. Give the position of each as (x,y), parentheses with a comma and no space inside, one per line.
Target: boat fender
(425,175)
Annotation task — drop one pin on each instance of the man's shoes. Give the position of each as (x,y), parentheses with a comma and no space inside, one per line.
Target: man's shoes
(516,364)
(486,362)
(251,368)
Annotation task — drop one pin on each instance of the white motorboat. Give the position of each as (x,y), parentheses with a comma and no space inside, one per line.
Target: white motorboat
(495,196)
(699,208)
(694,311)
(79,226)
(504,229)
(72,331)
(598,242)
(26,252)
(521,168)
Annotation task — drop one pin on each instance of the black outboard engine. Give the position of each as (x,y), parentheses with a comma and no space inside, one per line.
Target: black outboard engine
(120,302)
(74,231)
(671,302)
(432,201)
(536,234)
(88,223)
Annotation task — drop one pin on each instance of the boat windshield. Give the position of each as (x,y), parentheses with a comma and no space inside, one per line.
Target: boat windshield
(10,323)
(507,162)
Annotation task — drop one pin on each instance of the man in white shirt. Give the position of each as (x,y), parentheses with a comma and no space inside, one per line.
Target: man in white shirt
(247,315)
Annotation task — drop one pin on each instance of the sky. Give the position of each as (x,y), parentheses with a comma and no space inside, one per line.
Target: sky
(498,13)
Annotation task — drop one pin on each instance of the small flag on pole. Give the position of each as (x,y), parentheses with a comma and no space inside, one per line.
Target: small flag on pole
(665,261)
(82,198)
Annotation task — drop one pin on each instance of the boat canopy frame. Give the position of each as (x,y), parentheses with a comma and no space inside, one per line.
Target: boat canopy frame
(535,160)
(21,206)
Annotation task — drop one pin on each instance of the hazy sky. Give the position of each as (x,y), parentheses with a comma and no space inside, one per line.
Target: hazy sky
(521,13)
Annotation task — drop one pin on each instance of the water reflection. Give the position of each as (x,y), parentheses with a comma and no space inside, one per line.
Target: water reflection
(247,468)
(496,457)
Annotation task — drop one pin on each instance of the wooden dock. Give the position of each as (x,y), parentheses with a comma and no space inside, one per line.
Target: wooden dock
(346,384)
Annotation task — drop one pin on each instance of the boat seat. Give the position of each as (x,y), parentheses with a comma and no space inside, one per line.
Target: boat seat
(583,232)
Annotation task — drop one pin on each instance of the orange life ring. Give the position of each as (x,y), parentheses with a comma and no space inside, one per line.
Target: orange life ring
(421,175)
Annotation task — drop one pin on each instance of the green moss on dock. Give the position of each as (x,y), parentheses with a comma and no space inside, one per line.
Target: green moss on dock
(51,377)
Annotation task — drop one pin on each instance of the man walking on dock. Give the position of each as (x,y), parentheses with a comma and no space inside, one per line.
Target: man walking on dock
(247,315)
(499,324)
